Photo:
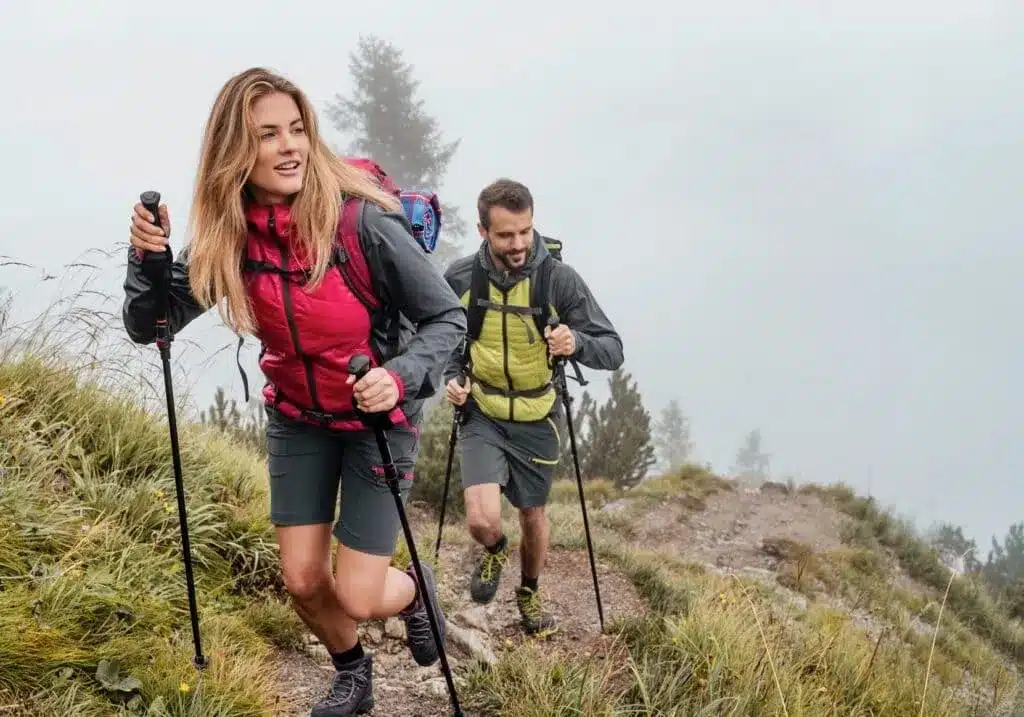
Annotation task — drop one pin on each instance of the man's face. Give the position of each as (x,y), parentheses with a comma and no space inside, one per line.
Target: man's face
(510,237)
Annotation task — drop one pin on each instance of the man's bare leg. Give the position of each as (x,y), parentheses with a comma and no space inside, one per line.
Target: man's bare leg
(483,517)
(533,550)
(533,547)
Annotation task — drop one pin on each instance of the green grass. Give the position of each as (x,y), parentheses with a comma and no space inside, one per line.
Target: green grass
(90,556)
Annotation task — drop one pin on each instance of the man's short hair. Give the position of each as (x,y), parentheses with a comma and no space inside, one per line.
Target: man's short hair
(505,193)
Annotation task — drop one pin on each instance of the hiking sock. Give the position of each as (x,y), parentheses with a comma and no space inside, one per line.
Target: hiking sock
(530,583)
(341,659)
(499,546)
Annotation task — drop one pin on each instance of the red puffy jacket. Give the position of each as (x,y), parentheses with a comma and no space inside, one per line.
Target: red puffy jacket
(308,337)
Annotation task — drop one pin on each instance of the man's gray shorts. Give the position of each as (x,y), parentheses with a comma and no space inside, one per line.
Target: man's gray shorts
(308,463)
(519,456)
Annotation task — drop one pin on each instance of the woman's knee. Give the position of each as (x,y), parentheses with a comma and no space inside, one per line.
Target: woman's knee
(360,605)
(305,560)
(360,582)
(306,582)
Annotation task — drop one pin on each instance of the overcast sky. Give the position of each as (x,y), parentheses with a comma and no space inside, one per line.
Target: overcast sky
(803,217)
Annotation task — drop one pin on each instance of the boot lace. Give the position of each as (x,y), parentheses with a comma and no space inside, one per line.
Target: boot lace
(345,685)
(491,564)
(530,605)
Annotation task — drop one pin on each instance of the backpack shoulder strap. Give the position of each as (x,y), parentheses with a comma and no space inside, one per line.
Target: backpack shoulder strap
(350,255)
(479,294)
(540,292)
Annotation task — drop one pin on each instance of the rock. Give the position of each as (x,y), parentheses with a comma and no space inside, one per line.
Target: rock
(474,617)
(474,642)
(758,574)
(422,674)
(437,687)
(319,653)
(374,634)
(394,628)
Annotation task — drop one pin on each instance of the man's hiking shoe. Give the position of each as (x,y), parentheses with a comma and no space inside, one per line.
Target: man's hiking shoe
(484,583)
(535,620)
(418,635)
(351,690)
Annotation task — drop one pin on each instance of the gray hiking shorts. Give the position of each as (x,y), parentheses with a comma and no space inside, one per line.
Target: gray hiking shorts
(518,456)
(307,464)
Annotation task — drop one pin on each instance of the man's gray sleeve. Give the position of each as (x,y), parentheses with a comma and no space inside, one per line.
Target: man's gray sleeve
(457,276)
(421,293)
(138,312)
(598,345)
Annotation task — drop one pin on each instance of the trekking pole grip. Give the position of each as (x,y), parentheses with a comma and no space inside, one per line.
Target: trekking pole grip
(359,365)
(156,266)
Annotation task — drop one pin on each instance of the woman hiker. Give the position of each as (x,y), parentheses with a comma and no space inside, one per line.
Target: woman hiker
(269,196)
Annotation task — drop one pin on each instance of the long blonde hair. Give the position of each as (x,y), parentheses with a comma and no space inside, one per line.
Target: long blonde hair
(217,222)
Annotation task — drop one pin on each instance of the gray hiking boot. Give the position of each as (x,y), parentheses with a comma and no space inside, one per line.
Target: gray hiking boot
(351,691)
(418,635)
(484,583)
(535,620)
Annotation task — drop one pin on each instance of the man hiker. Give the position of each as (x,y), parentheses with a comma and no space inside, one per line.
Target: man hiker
(509,442)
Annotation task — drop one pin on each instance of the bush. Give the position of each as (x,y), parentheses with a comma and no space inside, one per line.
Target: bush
(428,487)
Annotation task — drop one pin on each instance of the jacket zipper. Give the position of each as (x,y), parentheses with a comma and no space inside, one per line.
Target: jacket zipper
(289,313)
(504,348)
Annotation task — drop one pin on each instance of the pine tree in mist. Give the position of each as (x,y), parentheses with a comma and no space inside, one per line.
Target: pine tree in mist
(955,548)
(618,443)
(752,463)
(383,119)
(1004,570)
(249,428)
(672,437)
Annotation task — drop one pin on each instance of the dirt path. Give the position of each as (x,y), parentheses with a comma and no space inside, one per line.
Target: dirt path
(402,688)
(729,531)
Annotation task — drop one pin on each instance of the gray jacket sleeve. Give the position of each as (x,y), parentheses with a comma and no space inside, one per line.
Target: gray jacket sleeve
(139,308)
(417,288)
(598,345)
(458,277)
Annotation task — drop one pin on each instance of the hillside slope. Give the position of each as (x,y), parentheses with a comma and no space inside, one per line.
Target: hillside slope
(786,601)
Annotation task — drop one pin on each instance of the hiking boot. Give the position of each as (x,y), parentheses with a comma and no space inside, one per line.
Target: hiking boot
(418,635)
(351,690)
(535,620)
(484,583)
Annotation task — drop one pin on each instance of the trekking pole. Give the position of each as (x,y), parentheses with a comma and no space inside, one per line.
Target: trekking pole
(358,366)
(559,366)
(457,415)
(157,268)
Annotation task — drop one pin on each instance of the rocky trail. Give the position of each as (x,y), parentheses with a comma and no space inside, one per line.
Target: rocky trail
(475,632)
(725,531)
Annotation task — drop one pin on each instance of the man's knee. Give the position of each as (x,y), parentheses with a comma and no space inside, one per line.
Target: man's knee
(480,522)
(532,517)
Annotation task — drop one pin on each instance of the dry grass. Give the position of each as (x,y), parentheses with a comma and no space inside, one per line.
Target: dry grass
(721,645)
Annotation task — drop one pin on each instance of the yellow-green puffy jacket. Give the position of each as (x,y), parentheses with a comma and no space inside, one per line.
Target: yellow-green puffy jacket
(508,360)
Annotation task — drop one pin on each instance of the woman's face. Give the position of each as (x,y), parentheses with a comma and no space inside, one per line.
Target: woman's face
(283,148)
